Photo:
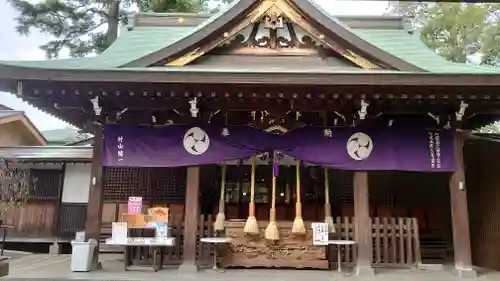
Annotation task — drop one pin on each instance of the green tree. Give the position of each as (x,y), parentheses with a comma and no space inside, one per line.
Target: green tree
(456,31)
(81,26)
(87,26)
(182,6)
(171,6)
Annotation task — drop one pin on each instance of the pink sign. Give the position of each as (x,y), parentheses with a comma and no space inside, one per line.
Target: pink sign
(135,205)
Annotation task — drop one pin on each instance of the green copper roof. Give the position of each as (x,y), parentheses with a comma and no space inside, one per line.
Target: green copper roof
(129,46)
(410,48)
(143,40)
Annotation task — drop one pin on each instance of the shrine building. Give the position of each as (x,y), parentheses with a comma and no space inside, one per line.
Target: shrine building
(271,115)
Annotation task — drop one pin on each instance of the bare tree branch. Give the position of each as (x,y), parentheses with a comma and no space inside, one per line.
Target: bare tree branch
(15,185)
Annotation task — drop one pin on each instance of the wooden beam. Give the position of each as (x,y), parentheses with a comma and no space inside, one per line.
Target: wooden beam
(362,225)
(459,213)
(191,218)
(96,195)
(234,100)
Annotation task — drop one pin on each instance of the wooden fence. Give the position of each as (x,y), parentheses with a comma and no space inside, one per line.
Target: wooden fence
(173,255)
(395,242)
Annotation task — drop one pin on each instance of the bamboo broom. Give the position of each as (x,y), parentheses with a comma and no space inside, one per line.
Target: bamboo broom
(272,232)
(298,226)
(252,226)
(219,221)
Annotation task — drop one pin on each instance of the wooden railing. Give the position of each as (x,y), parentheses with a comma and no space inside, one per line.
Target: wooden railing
(395,242)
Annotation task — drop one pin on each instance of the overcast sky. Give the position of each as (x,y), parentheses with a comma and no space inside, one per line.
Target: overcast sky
(16,47)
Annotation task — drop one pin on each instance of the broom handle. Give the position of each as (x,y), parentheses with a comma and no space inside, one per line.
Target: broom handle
(222,188)
(298,206)
(328,212)
(327,187)
(251,210)
(272,214)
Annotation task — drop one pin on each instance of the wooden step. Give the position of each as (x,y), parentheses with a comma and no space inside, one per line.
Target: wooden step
(434,249)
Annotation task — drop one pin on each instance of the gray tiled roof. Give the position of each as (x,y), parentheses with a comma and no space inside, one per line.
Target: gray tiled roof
(6,113)
(63,135)
(47,153)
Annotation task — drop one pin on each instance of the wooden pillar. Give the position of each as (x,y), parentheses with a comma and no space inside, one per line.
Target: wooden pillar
(57,213)
(460,213)
(54,248)
(362,225)
(191,218)
(96,194)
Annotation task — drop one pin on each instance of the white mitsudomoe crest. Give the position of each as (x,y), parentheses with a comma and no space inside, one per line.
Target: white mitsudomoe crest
(196,141)
(359,146)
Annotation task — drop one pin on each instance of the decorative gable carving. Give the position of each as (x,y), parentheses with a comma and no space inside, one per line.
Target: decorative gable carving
(273,25)
(275,36)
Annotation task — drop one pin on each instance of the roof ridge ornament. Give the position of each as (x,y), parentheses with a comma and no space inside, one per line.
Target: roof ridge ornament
(273,18)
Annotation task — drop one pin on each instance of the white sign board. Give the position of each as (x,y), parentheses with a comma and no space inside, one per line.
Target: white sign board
(119,231)
(142,241)
(320,233)
(161,230)
(134,205)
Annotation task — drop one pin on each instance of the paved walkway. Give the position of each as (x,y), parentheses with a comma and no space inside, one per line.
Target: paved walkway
(57,267)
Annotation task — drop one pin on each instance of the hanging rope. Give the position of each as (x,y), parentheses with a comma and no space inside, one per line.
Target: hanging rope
(219,221)
(298,224)
(251,226)
(272,232)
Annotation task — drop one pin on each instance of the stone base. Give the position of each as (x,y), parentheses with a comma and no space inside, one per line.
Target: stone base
(364,271)
(188,267)
(427,266)
(54,249)
(466,273)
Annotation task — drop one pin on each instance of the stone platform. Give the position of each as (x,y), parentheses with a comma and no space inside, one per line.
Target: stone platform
(57,267)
